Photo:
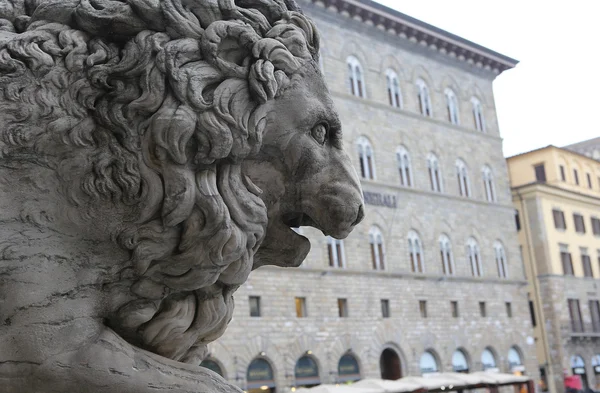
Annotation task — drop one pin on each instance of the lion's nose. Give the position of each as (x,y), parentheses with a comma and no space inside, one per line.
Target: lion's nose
(360,215)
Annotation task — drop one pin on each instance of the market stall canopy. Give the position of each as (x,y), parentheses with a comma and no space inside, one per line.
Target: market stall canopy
(429,382)
(339,389)
(399,386)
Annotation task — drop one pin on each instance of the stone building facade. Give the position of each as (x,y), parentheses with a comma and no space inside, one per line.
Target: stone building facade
(431,278)
(557,196)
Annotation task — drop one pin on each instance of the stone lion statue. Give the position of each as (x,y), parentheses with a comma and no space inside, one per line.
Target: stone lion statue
(153,153)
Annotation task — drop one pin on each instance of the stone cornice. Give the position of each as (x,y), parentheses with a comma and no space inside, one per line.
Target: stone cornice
(416,31)
(331,271)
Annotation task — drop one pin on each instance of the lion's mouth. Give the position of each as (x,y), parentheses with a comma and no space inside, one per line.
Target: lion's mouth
(297,220)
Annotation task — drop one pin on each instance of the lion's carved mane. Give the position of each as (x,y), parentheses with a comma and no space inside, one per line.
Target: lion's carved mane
(165,100)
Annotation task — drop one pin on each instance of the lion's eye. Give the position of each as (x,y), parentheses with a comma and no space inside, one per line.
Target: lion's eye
(319,132)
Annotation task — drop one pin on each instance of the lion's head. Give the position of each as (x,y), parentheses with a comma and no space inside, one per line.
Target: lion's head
(194,133)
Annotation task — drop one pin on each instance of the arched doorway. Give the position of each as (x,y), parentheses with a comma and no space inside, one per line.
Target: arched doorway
(389,364)
(348,369)
(212,365)
(306,372)
(259,377)
(459,362)
(578,367)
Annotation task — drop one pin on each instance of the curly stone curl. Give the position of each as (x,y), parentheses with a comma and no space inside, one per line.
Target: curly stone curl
(165,99)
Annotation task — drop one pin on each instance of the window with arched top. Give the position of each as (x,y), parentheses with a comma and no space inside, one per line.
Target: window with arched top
(452,106)
(500,259)
(446,255)
(415,252)
(435,174)
(488,360)
(356,77)
(474,257)
(428,363)
(478,117)
(393,89)
(404,168)
(460,364)
(260,374)
(377,250)
(212,365)
(306,372)
(366,159)
(335,249)
(424,98)
(515,363)
(488,184)
(462,175)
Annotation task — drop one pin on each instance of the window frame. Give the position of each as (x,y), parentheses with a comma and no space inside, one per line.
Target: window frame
(258,306)
(559,219)
(474,257)
(566,260)
(446,255)
(393,89)
(435,173)
(488,184)
(424,98)
(415,252)
(452,106)
(301,309)
(336,253)
(478,115)
(356,77)
(342,307)
(423,308)
(366,158)
(377,245)
(464,183)
(385,308)
(501,260)
(404,166)
(578,219)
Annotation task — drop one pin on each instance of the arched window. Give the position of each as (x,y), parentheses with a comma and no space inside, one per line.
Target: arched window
(514,360)
(488,360)
(415,251)
(500,259)
(393,89)
(446,255)
(474,257)
(451,106)
(488,184)
(459,362)
(335,249)
(355,72)
(463,178)
(435,174)
(365,156)
(212,365)
(259,375)
(478,115)
(424,98)
(428,363)
(377,252)
(404,168)
(306,372)
(348,368)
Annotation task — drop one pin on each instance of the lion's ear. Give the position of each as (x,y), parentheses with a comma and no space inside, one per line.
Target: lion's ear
(228,46)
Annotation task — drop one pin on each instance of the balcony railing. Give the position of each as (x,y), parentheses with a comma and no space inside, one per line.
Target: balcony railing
(582,329)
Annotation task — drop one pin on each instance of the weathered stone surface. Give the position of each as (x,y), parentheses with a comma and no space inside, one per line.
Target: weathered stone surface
(152,153)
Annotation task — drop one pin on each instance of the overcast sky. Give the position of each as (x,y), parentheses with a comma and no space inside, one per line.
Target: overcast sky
(553,95)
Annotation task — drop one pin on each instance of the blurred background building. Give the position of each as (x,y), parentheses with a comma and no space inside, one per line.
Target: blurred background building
(556,192)
(432,280)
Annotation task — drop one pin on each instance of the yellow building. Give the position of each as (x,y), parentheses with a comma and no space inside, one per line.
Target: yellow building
(556,193)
